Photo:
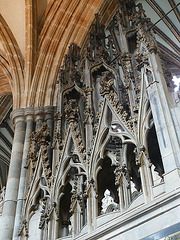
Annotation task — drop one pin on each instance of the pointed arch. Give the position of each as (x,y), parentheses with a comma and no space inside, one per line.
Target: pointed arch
(5,68)
(15,60)
(69,23)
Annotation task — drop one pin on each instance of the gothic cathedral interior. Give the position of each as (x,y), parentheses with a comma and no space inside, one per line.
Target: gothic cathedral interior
(94,151)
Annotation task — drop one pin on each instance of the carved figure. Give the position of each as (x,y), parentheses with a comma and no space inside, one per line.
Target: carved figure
(107,201)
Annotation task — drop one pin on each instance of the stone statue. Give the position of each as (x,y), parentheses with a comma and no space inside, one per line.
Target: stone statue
(107,201)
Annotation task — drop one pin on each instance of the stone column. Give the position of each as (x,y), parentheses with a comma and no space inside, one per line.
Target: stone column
(12,187)
(49,118)
(127,193)
(164,124)
(29,112)
(76,219)
(145,174)
(89,213)
(91,209)
(121,198)
(144,183)
(65,225)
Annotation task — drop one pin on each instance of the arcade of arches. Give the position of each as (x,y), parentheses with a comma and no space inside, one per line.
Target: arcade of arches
(89,119)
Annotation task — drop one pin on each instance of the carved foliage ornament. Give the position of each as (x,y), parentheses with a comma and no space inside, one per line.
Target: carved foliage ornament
(97,50)
(71,110)
(70,72)
(120,171)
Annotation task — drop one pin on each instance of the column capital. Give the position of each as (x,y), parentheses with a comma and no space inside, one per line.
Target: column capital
(38,110)
(49,109)
(17,115)
(29,113)
(152,49)
(49,112)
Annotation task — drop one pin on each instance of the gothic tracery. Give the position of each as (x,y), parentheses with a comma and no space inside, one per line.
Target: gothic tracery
(98,158)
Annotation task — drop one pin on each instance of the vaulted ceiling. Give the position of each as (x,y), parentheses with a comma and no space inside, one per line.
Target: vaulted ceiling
(35,35)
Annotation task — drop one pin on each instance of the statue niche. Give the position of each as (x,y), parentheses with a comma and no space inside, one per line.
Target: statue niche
(106,184)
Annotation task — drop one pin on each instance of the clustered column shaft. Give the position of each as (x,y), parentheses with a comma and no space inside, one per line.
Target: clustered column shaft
(29,129)
(9,208)
(23,120)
